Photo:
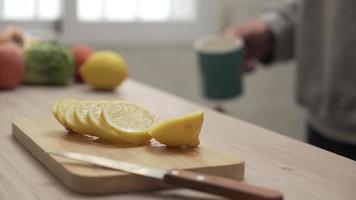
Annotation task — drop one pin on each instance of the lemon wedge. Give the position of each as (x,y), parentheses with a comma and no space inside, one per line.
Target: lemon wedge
(177,132)
(92,120)
(129,121)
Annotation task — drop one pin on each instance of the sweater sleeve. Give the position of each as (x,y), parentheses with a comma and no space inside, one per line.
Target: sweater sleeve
(282,23)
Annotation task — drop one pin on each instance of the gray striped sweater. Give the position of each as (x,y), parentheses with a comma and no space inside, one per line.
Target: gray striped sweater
(321,35)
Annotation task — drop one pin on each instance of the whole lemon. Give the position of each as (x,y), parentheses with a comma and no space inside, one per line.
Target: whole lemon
(104,70)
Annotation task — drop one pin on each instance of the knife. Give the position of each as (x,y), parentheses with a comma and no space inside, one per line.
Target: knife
(183,178)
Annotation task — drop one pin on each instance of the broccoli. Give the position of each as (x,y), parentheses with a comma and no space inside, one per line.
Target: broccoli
(48,63)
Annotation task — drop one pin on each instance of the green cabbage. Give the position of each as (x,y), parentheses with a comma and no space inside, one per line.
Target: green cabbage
(48,63)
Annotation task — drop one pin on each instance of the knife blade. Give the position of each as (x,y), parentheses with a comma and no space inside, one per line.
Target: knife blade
(183,178)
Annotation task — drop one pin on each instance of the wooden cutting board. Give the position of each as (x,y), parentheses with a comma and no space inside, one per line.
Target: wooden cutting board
(42,135)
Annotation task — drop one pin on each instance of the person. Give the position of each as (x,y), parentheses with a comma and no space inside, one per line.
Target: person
(322,37)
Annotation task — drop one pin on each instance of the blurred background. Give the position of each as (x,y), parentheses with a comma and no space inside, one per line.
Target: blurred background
(156,36)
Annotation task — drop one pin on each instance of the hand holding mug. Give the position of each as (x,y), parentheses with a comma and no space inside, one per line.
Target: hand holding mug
(258,41)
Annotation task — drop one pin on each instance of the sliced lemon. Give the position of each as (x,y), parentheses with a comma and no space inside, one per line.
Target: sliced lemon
(92,119)
(177,132)
(54,109)
(62,109)
(80,114)
(130,121)
(72,122)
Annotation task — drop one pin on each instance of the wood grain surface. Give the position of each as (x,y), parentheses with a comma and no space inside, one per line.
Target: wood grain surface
(44,135)
(272,160)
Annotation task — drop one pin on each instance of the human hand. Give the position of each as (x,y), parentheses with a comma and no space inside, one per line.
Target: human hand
(258,41)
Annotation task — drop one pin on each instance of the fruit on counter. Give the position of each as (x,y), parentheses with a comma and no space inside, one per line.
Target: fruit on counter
(12,65)
(104,70)
(125,123)
(178,132)
(48,63)
(80,53)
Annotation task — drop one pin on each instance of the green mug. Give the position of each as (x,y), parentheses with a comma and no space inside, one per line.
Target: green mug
(220,60)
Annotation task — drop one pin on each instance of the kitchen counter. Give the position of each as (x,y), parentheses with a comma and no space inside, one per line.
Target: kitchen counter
(272,160)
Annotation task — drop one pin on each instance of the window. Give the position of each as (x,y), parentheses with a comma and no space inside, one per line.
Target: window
(29,10)
(110,21)
(136,10)
(37,17)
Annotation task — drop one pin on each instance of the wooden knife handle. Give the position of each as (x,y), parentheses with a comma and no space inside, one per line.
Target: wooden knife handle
(220,186)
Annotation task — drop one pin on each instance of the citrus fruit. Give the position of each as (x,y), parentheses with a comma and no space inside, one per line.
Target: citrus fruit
(94,124)
(54,109)
(79,114)
(71,122)
(177,132)
(130,121)
(62,108)
(104,70)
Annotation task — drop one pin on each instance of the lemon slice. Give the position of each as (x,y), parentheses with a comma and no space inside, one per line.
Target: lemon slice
(92,119)
(62,109)
(71,121)
(80,114)
(177,132)
(130,121)
(54,109)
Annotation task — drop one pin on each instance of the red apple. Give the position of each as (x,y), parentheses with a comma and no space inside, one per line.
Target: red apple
(80,53)
(12,65)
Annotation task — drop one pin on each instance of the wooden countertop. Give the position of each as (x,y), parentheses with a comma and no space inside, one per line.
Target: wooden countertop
(299,170)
